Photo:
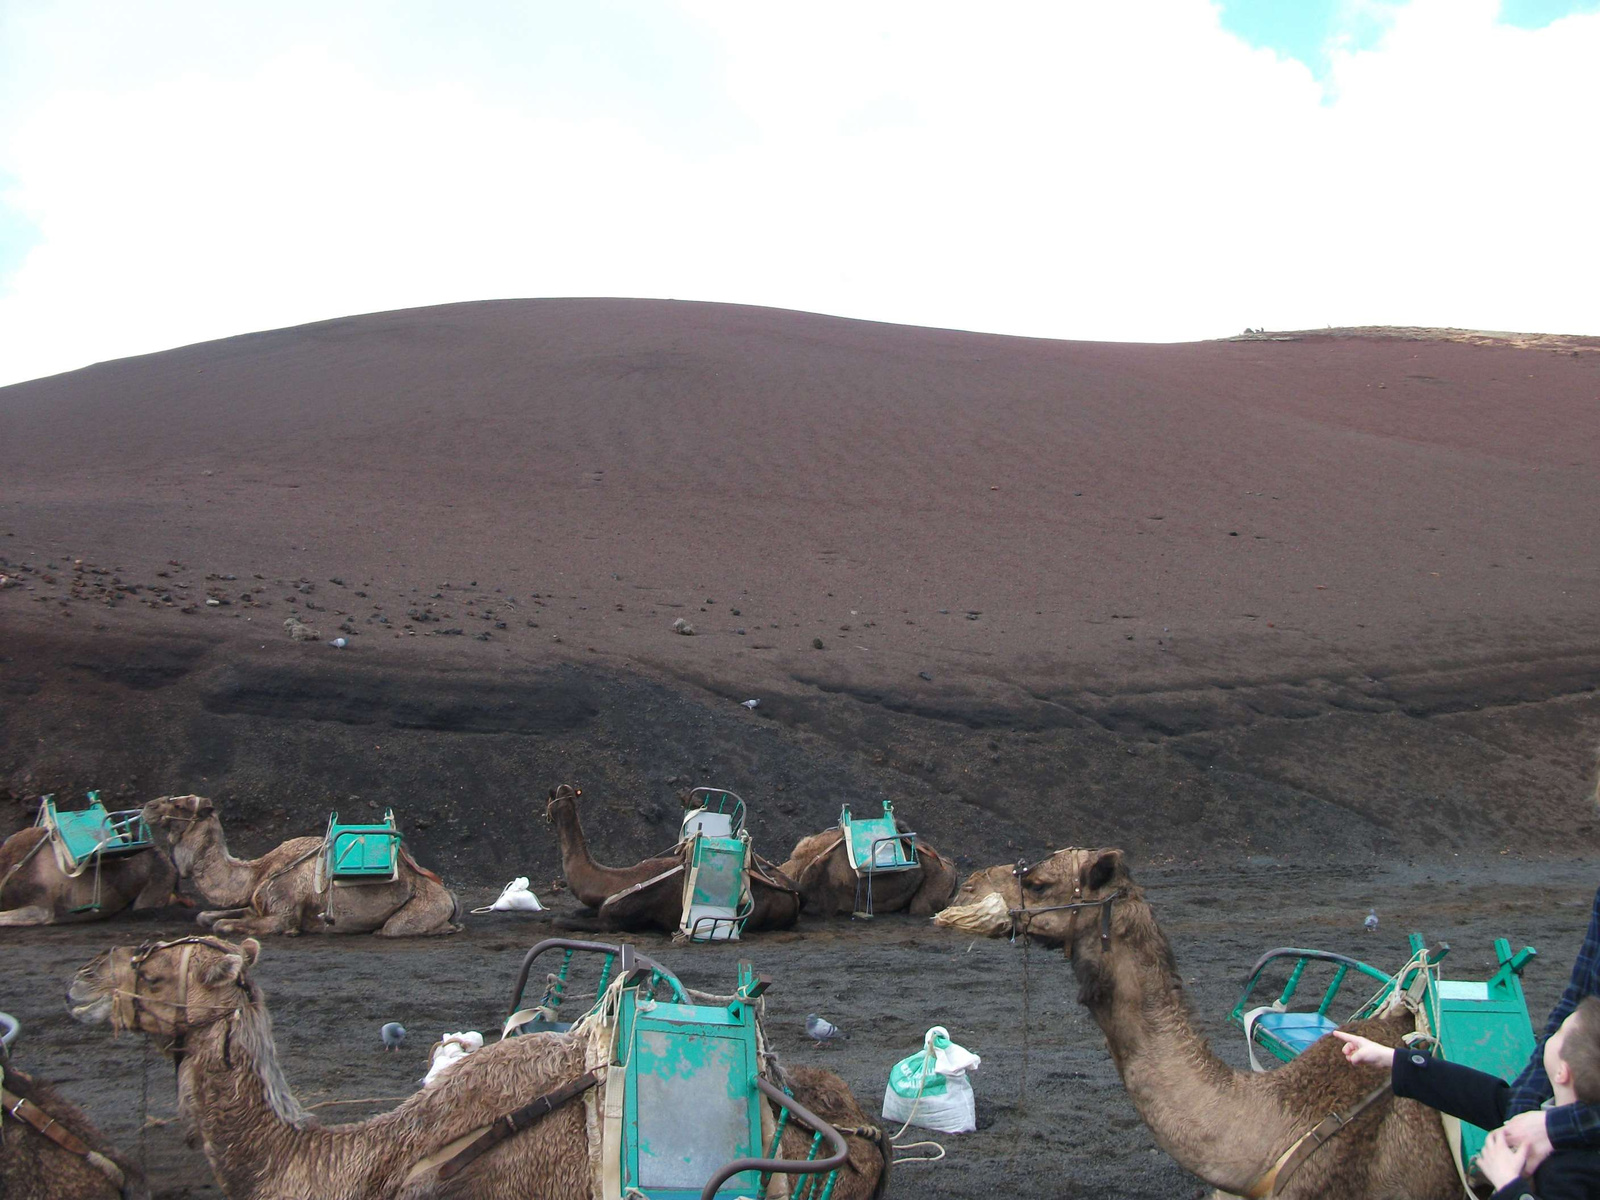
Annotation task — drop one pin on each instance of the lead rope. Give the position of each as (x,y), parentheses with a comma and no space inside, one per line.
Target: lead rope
(1022,904)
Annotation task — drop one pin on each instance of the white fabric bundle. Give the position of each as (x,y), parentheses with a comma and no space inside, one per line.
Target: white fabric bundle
(517,897)
(450,1050)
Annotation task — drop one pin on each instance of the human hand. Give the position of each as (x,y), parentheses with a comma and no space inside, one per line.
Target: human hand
(1526,1131)
(1364,1052)
(1500,1162)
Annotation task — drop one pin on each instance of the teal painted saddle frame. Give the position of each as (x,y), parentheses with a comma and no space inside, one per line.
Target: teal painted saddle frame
(686,1109)
(92,832)
(1482,1024)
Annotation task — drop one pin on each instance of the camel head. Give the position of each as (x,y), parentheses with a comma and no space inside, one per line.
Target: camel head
(566,794)
(1062,900)
(173,818)
(167,989)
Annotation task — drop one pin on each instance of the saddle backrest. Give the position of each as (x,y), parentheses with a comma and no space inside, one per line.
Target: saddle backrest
(877,844)
(363,853)
(690,1103)
(716,890)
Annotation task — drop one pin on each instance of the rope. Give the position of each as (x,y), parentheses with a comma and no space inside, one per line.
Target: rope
(894,1138)
(363,1100)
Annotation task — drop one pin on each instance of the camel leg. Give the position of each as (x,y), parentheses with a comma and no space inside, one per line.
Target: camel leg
(34,914)
(271,923)
(160,890)
(408,921)
(207,919)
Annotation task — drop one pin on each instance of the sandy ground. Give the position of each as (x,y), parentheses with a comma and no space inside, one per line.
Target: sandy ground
(1071,1132)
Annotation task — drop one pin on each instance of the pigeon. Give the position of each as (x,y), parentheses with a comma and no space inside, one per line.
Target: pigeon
(752,705)
(393,1034)
(1371,922)
(821,1031)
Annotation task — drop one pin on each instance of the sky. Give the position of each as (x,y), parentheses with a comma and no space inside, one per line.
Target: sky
(1156,170)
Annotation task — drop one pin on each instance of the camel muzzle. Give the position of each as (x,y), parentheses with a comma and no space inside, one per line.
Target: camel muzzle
(990,916)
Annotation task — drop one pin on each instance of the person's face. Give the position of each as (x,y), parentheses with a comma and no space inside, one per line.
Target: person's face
(1553,1056)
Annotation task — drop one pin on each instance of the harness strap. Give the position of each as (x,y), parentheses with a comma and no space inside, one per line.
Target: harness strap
(32,1114)
(1308,1144)
(454,1157)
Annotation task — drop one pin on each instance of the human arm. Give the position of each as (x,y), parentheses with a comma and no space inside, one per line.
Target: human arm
(1531,1088)
(1473,1096)
(1505,1166)
(1364,1052)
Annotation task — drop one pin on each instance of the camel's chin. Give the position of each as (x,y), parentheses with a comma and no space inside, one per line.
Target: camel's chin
(989,916)
(90,1011)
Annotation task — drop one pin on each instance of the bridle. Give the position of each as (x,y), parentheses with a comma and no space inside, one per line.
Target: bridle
(550,804)
(130,997)
(1022,916)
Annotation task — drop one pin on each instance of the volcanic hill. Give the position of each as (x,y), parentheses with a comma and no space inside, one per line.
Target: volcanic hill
(1311,596)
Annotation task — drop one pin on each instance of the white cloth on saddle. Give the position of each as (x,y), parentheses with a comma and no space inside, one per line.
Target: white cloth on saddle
(450,1050)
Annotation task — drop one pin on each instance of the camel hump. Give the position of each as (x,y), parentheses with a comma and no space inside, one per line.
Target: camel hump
(405,856)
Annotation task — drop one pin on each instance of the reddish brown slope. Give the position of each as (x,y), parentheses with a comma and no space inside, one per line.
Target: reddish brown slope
(1153,539)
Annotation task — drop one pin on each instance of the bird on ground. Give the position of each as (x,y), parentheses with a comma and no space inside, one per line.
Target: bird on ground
(752,705)
(820,1031)
(1371,923)
(393,1034)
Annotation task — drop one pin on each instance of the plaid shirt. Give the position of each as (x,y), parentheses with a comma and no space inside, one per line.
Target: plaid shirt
(1570,1126)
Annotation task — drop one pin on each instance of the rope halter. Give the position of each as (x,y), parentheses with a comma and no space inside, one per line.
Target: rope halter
(130,995)
(1022,916)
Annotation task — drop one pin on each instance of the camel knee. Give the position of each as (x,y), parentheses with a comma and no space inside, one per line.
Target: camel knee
(33,914)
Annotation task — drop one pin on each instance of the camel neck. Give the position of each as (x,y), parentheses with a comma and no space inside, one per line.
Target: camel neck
(232,1089)
(1218,1123)
(202,855)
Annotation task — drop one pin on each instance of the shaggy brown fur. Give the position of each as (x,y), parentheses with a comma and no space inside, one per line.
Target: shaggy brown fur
(34,891)
(261,1144)
(821,869)
(32,1167)
(283,891)
(1226,1126)
(777,899)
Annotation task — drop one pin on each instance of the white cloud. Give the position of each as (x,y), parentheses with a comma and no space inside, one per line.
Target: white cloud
(1110,172)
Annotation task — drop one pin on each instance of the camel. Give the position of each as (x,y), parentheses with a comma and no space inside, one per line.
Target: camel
(649,894)
(286,891)
(821,869)
(196,1000)
(1228,1127)
(34,1166)
(34,890)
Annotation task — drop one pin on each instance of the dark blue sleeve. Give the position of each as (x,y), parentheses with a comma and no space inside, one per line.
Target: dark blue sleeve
(1474,1096)
(1532,1088)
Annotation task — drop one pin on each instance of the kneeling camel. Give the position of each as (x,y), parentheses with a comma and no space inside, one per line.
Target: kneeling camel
(1230,1128)
(649,894)
(195,998)
(286,890)
(34,890)
(820,867)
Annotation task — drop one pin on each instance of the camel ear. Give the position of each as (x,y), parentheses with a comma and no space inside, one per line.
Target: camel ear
(250,949)
(227,970)
(1106,866)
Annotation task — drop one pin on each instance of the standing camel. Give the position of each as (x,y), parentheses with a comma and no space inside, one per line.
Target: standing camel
(196,1000)
(649,894)
(1228,1127)
(68,1160)
(34,890)
(820,867)
(287,890)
